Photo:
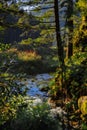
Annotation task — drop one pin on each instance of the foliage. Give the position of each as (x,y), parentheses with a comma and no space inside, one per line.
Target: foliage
(26,41)
(8,106)
(84,108)
(82,104)
(76,72)
(55,85)
(11,92)
(71,78)
(81,79)
(22,58)
(80,34)
(13,60)
(15,114)
(75,81)
(84,126)
(33,117)
(10,89)
(82,6)
(4,47)
(69,85)
(80,22)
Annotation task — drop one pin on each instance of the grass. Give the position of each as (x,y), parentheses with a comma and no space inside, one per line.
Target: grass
(28,55)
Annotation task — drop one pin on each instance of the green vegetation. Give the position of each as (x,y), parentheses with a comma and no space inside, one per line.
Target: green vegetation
(34,118)
(36,53)
(11,92)
(29,59)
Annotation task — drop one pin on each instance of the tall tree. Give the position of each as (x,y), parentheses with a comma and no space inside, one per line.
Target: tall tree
(58,35)
(69,24)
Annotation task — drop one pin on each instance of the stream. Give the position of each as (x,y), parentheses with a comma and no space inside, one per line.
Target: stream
(37,85)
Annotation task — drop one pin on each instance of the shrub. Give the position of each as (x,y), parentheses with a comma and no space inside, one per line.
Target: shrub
(4,47)
(74,78)
(76,72)
(10,91)
(34,117)
(10,95)
(84,126)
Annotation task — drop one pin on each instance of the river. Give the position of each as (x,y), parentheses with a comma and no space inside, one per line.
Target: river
(35,85)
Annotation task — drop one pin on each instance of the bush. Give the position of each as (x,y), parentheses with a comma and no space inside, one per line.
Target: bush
(74,78)
(4,47)
(84,126)
(76,73)
(34,117)
(10,91)
(10,95)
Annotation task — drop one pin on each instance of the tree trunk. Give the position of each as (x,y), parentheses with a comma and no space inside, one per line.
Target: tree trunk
(70,29)
(58,35)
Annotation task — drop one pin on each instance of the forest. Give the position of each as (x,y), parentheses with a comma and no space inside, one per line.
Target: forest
(43,64)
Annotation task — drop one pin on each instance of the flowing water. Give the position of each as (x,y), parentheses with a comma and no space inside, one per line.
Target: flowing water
(35,84)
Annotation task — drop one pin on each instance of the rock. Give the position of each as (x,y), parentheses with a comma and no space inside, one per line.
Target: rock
(37,101)
(58,112)
(44,87)
(33,100)
(46,76)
